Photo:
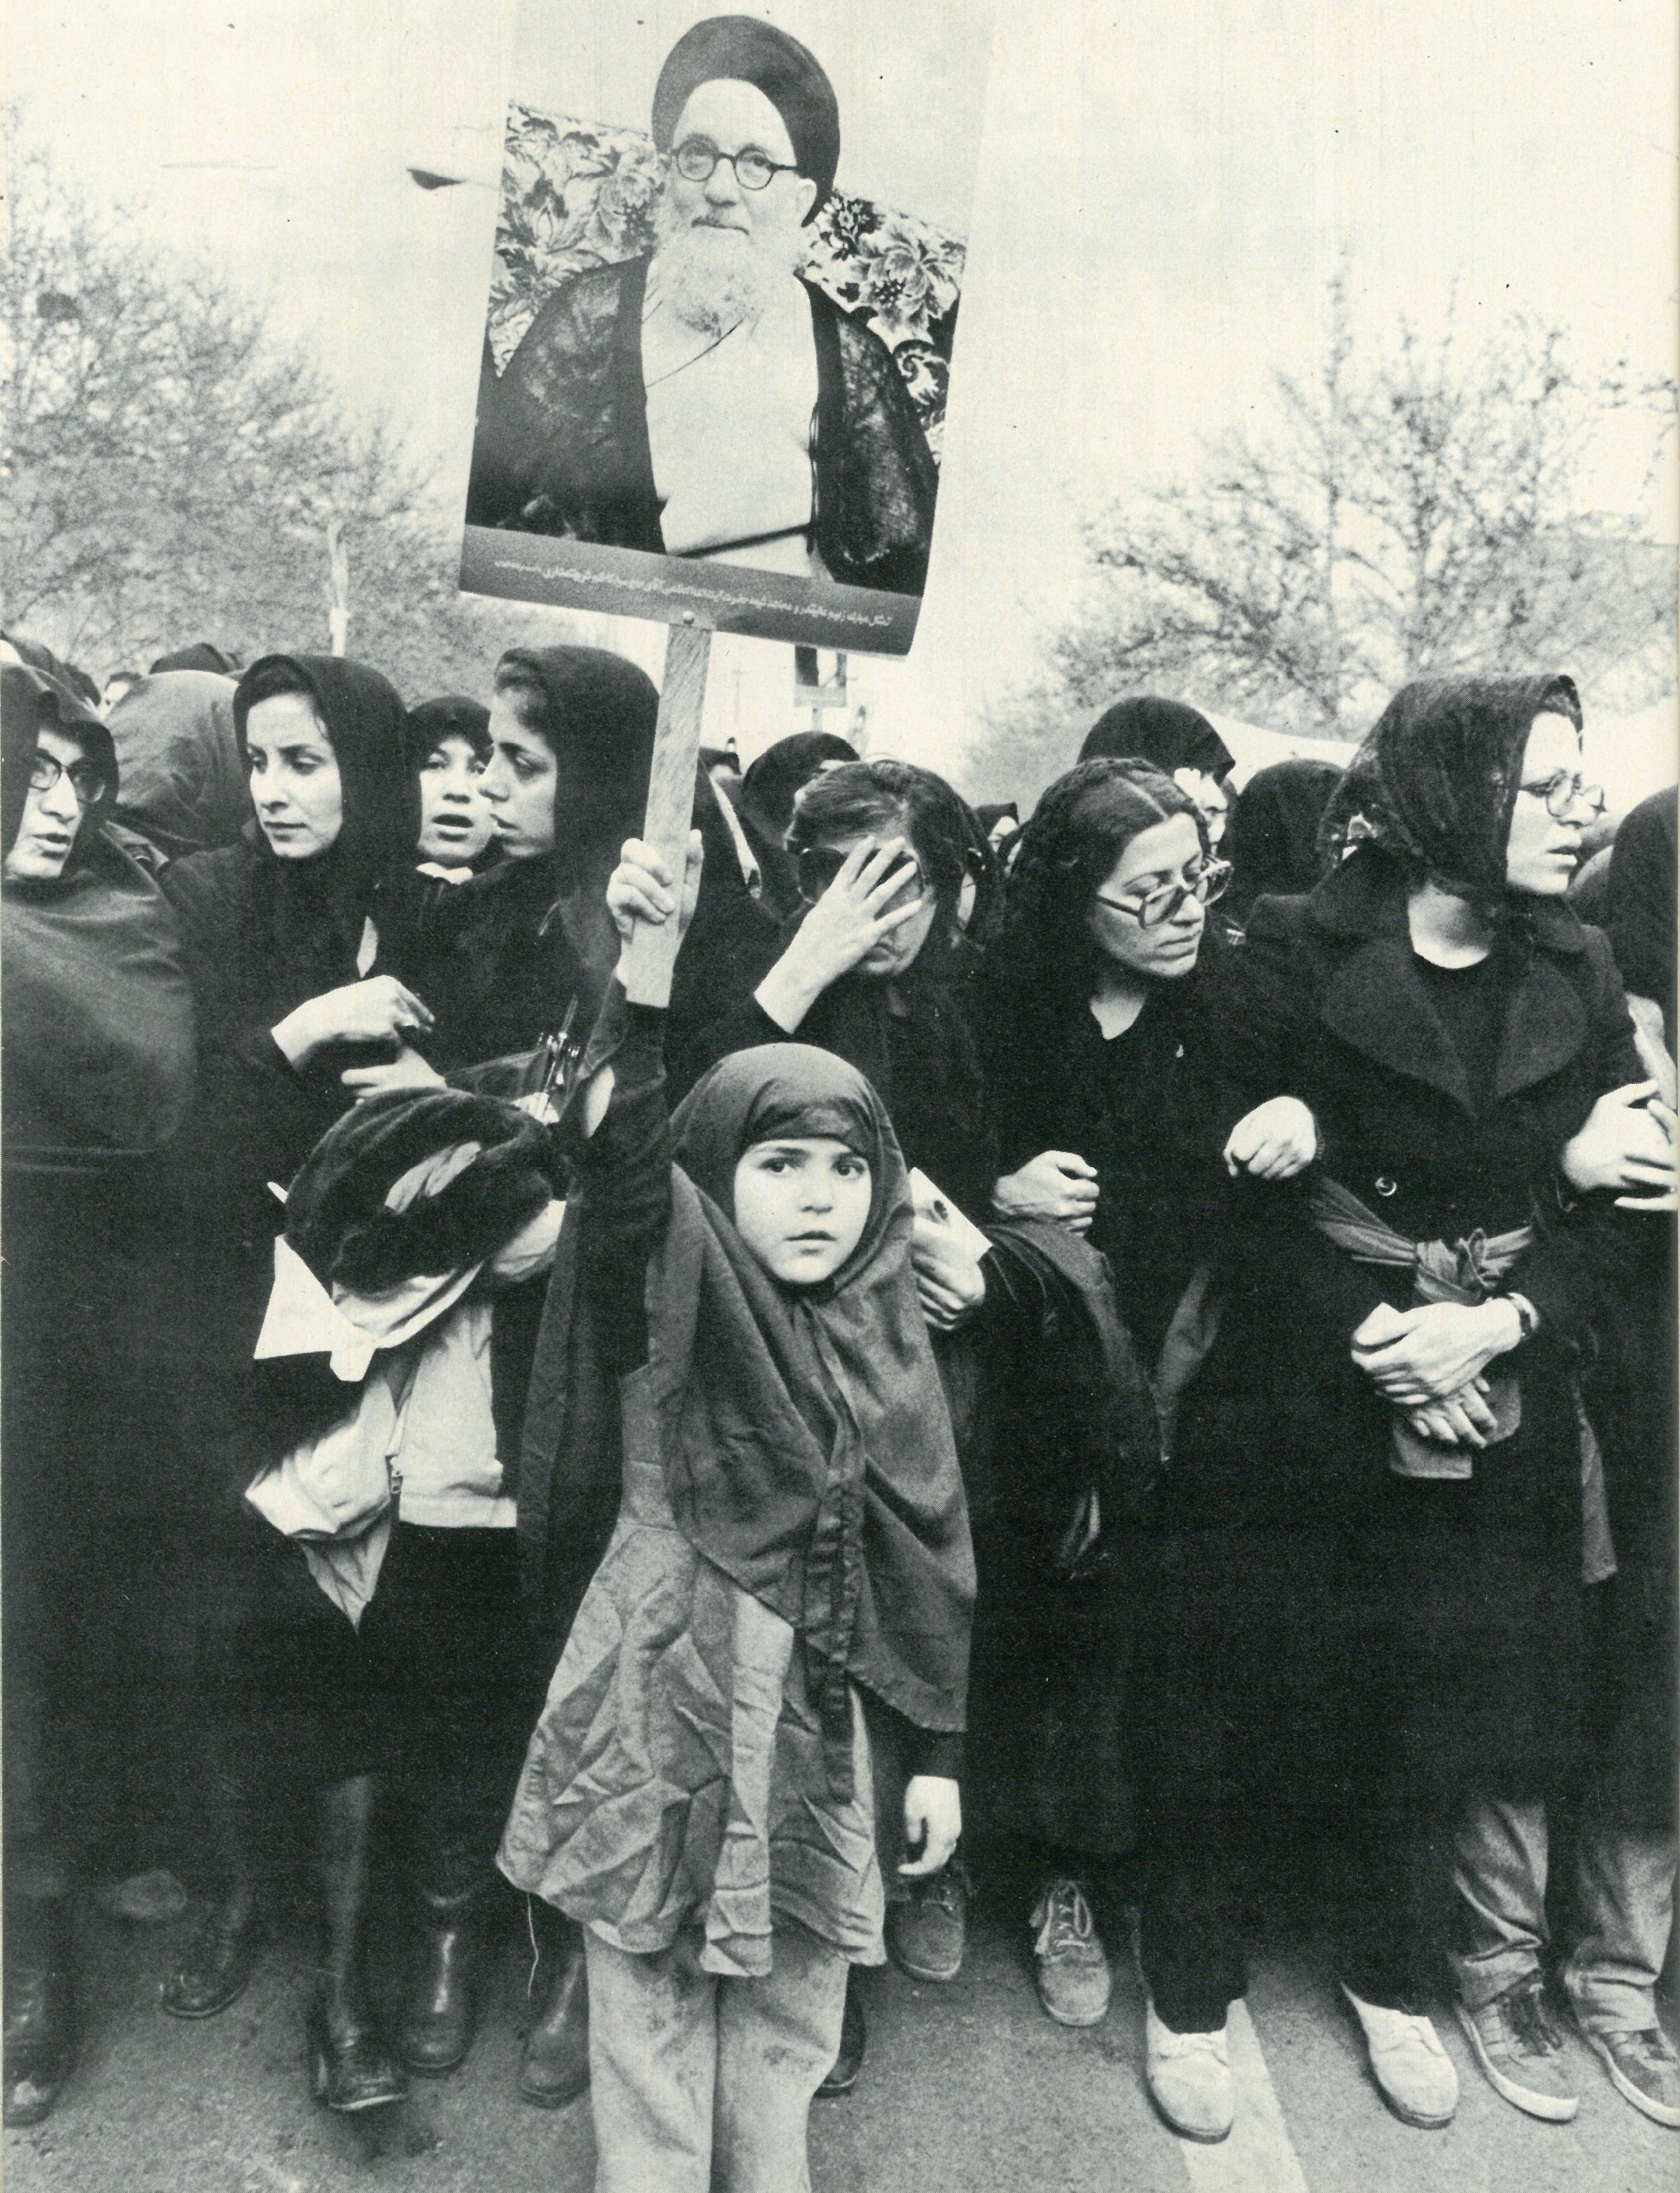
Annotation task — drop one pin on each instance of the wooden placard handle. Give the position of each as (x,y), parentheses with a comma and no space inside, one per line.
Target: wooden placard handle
(670,797)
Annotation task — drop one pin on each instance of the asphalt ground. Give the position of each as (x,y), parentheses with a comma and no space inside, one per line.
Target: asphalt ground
(965,2086)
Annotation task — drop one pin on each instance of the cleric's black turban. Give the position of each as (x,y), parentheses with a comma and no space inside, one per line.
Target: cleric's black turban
(789,74)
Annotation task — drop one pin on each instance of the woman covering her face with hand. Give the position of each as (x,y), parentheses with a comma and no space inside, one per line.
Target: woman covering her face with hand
(97,1074)
(1372,1602)
(790,1568)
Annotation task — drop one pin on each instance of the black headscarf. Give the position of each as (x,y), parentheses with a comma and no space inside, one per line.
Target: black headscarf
(1436,781)
(99,1018)
(1272,840)
(202,655)
(765,806)
(367,725)
(599,718)
(39,657)
(1168,733)
(789,75)
(183,785)
(808,1446)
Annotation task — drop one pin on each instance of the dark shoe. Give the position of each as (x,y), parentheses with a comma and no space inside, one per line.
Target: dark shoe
(437,2022)
(40,2027)
(928,1933)
(215,1967)
(350,2068)
(554,2069)
(854,2035)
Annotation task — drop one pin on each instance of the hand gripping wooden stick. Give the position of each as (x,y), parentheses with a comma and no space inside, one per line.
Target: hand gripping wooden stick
(652,952)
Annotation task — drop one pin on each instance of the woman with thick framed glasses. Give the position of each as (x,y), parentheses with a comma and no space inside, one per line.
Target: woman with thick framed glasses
(1102,1041)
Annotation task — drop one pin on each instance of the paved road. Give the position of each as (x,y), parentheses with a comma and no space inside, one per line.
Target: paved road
(967,2087)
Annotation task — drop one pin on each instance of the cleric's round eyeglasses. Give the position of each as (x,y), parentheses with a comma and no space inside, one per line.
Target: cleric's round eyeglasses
(1566,788)
(86,777)
(696,157)
(1206,885)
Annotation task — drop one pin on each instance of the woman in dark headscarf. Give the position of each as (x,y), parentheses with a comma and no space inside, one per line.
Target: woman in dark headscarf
(1272,843)
(766,805)
(1174,738)
(1374,1575)
(499,958)
(792,1543)
(98,1074)
(297,1016)
(184,789)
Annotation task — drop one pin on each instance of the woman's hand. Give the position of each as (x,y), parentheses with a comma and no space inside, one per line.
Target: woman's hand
(642,896)
(377,1010)
(1057,1184)
(949,1284)
(852,916)
(1274,1142)
(407,1070)
(1462,1419)
(1417,1357)
(1627,1143)
(932,1822)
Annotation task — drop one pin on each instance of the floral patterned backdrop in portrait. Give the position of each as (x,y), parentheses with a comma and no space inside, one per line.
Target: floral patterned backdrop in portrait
(575,194)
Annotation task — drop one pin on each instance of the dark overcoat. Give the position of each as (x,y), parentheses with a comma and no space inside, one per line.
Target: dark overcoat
(1466,1593)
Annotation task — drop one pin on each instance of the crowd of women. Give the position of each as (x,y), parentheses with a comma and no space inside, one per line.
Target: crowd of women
(1039,1346)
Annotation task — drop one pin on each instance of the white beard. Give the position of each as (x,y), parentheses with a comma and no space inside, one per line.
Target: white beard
(713,278)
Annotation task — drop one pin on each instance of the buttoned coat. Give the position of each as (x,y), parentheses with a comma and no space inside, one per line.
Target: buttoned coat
(1470,1589)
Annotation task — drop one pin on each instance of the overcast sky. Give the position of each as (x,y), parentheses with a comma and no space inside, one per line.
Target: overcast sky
(1165,187)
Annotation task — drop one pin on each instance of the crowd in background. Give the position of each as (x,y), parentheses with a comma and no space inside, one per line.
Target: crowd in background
(1209,1399)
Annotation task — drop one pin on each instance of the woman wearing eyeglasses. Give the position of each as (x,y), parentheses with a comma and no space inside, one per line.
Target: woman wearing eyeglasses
(1102,1051)
(1382,1503)
(98,1074)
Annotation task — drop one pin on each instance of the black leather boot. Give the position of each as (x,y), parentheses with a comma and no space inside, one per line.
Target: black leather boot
(440,2014)
(350,2066)
(214,1968)
(40,2036)
(554,2069)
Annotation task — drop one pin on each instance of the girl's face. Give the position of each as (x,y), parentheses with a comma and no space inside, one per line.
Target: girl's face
(801,1206)
(1543,848)
(52,811)
(1211,802)
(455,821)
(520,784)
(1122,915)
(295,786)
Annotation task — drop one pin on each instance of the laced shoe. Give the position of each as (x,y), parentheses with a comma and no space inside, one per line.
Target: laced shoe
(1517,2043)
(1414,2072)
(1072,1970)
(1644,2069)
(1190,2079)
(927,1930)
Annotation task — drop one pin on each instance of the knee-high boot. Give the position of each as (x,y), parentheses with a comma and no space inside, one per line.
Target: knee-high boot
(216,1965)
(455,1889)
(350,2066)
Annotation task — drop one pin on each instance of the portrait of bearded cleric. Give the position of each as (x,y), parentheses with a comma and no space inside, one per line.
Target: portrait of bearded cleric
(731,364)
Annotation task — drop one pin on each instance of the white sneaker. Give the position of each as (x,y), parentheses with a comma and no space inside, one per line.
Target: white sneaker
(1190,2079)
(1414,2072)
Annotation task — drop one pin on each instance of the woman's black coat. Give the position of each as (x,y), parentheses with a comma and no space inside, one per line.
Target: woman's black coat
(1474,1587)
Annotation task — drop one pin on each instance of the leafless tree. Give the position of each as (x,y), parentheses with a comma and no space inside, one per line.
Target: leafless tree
(1421,512)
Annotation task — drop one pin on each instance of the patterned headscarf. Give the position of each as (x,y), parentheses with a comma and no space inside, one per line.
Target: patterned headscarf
(1436,781)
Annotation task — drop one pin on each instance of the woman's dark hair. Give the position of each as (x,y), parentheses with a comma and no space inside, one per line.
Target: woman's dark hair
(887,798)
(452,716)
(1045,957)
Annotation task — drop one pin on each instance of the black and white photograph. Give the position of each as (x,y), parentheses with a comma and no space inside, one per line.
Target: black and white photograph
(705,345)
(838,1183)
